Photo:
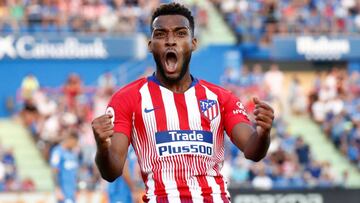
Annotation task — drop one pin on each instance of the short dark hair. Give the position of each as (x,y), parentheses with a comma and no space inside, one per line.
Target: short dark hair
(173,9)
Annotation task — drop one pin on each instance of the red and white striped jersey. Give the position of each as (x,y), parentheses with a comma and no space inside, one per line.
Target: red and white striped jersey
(178,137)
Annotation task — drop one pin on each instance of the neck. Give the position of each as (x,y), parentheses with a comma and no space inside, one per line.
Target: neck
(175,86)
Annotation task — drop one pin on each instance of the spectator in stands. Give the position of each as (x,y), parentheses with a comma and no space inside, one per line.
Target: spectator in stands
(258,21)
(49,15)
(302,151)
(72,89)
(34,15)
(29,115)
(336,108)
(257,75)
(17,14)
(314,168)
(296,96)
(29,86)
(274,79)
(3,14)
(245,78)
(261,180)
(107,82)
(288,143)
(240,172)
(230,77)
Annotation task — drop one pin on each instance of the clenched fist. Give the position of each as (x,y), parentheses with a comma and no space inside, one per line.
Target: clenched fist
(264,116)
(103,130)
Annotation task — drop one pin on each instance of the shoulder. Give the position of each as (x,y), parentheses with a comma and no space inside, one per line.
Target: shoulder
(130,90)
(213,87)
(222,93)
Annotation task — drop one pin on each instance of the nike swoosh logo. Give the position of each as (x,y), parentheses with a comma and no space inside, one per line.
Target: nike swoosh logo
(149,110)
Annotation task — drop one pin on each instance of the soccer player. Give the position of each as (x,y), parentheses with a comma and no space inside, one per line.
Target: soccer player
(65,163)
(176,122)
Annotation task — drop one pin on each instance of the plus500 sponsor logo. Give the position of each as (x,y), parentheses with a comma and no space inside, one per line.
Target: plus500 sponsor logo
(175,142)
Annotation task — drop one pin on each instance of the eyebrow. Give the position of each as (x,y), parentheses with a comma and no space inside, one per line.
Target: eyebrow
(175,29)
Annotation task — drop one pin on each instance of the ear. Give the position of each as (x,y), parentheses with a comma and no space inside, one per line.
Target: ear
(194,43)
(149,46)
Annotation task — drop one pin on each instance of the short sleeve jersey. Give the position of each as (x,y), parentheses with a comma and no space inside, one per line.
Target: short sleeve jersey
(178,137)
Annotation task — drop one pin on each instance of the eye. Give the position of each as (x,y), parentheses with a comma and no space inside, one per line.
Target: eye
(182,33)
(159,34)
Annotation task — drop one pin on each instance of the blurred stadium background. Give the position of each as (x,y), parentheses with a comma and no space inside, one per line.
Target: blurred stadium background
(60,61)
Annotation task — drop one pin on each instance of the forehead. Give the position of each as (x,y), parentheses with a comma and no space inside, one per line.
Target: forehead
(170,21)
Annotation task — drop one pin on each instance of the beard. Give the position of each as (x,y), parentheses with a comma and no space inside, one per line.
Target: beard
(184,68)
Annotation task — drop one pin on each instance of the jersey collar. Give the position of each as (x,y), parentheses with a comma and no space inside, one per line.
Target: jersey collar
(154,79)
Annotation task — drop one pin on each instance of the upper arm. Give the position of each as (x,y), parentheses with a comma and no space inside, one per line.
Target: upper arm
(121,107)
(236,120)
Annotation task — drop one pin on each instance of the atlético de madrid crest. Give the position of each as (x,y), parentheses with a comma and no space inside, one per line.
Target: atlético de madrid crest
(209,108)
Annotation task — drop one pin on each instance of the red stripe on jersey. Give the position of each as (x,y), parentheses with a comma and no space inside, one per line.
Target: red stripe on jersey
(206,190)
(141,136)
(200,95)
(220,181)
(160,116)
(158,105)
(180,103)
(182,111)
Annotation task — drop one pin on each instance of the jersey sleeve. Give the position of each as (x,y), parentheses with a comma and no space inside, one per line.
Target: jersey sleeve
(234,113)
(121,109)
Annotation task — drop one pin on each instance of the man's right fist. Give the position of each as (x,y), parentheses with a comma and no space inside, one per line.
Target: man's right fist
(103,130)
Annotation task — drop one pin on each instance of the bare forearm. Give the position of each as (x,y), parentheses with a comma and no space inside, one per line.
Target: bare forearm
(257,146)
(108,164)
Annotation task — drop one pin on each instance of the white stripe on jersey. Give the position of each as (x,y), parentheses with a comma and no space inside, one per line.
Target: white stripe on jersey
(150,126)
(172,121)
(172,117)
(194,117)
(215,189)
(150,183)
(192,106)
(195,190)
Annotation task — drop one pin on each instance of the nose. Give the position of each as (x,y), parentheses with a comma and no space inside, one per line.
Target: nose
(170,40)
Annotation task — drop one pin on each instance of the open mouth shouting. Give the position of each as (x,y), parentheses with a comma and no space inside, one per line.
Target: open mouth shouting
(171,61)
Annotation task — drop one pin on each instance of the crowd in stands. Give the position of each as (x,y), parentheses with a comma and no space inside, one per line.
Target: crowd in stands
(335,105)
(289,163)
(9,178)
(51,113)
(256,20)
(84,16)
(259,20)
